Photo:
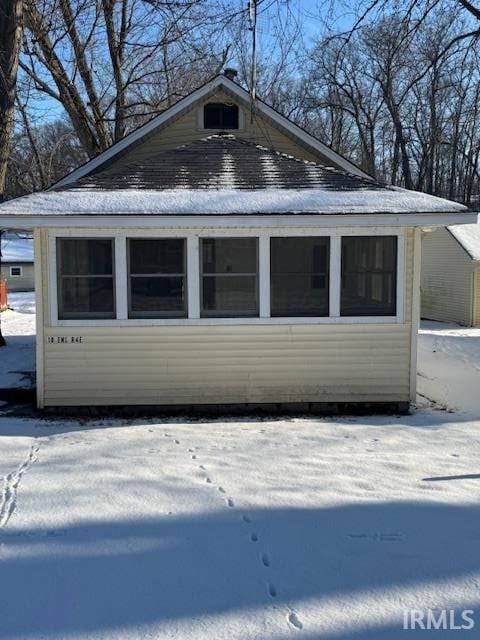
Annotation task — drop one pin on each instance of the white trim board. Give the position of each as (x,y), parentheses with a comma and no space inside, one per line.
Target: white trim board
(40,316)
(415,320)
(248,221)
(188,101)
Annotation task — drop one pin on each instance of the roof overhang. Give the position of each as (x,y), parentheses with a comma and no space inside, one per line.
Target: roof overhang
(229,221)
(10,261)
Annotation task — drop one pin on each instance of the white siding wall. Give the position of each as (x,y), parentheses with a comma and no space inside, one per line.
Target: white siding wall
(447,279)
(228,363)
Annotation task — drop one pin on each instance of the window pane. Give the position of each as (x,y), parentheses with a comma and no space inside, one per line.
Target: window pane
(157,278)
(229,296)
(217,115)
(85,256)
(154,297)
(85,278)
(229,255)
(86,297)
(299,276)
(369,276)
(165,255)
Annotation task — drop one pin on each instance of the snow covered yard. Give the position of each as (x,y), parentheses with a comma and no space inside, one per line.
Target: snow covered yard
(17,359)
(308,528)
(449,366)
(242,529)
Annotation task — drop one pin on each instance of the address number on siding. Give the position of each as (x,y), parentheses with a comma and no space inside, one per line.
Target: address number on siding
(64,339)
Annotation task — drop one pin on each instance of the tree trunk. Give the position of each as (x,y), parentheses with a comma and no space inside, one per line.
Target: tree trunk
(2,339)
(69,94)
(11,29)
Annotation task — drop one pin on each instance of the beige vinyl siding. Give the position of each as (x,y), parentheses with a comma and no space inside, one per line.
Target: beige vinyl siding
(476,298)
(447,279)
(242,363)
(185,128)
(228,364)
(25,282)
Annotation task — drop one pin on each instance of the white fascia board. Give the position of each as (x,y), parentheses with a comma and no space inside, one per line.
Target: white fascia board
(247,221)
(185,103)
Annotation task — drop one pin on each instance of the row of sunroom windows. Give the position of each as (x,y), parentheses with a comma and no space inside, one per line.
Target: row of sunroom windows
(228,277)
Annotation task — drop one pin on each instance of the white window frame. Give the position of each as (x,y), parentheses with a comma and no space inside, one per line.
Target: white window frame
(16,275)
(116,277)
(193,275)
(183,275)
(203,312)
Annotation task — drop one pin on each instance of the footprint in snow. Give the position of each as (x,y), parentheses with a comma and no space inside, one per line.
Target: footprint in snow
(265,560)
(177,441)
(247,519)
(221,489)
(393,536)
(294,621)
(208,480)
(230,502)
(200,466)
(193,457)
(389,537)
(254,537)
(272,591)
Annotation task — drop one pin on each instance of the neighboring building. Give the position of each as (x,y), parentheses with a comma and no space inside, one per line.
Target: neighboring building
(17,261)
(184,266)
(451,275)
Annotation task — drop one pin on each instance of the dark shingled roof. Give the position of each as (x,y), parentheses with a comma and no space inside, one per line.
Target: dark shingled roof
(222,161)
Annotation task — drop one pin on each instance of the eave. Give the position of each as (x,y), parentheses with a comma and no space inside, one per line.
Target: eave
(229,221)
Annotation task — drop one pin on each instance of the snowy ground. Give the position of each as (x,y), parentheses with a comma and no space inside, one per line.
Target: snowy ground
(302,528)
(17,359)
(449,366)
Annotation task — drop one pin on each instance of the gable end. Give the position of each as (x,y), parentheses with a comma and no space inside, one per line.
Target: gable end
(268,124)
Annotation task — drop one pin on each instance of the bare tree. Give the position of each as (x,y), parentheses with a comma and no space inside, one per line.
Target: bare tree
(10,38)
(11,24)
(413,102)
(110,63)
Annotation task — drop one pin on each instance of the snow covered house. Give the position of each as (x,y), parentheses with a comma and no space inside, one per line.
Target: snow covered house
(221,255)
(17,261)
(450,283)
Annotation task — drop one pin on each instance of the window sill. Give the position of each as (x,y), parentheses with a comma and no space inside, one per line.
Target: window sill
(195,322)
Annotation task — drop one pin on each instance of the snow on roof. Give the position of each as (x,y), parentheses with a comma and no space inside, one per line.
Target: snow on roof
(227,201)
(468,235)
(17,248)
(222,161)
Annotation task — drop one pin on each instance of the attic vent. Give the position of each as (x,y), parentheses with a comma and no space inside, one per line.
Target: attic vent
(217,115)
